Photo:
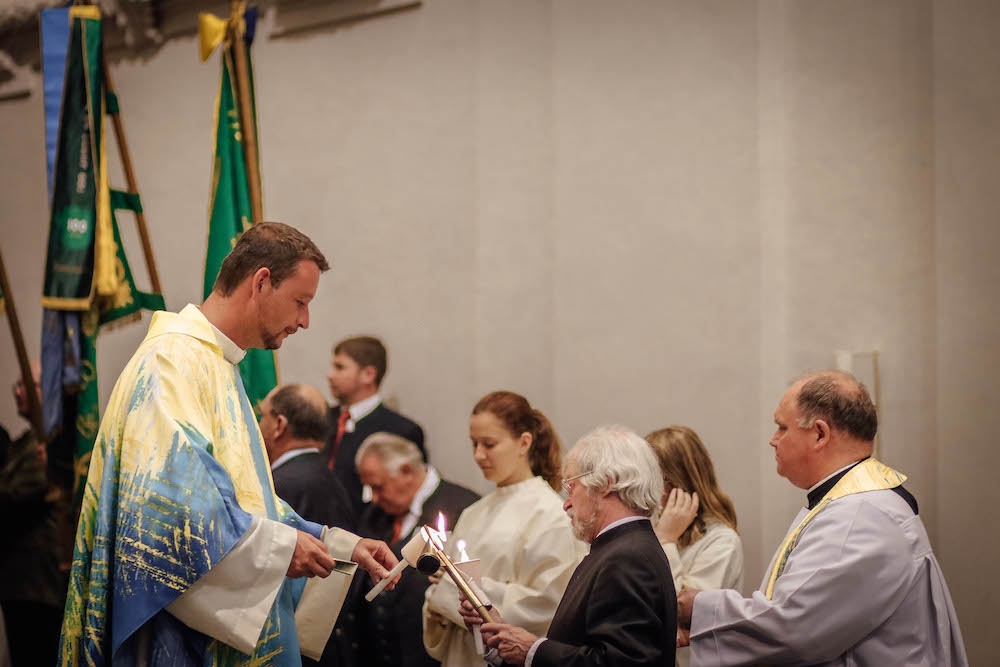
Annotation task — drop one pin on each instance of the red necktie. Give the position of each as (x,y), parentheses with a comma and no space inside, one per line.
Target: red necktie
(397,529)
(341,427)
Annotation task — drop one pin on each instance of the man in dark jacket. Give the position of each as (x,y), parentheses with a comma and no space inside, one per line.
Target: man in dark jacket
(619,609)
(294,424)
(406,494)
(356,371)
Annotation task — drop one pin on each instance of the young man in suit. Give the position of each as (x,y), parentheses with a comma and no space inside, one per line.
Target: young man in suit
(406,494)
(619,608)
(356,371)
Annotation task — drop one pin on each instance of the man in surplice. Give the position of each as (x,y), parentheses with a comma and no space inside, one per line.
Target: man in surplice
(184,554)
(855,581)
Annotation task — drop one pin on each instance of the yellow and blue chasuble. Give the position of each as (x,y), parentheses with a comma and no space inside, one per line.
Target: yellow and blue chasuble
(178,472)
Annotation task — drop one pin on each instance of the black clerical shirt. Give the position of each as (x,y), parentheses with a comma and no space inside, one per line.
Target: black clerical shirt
(817,494)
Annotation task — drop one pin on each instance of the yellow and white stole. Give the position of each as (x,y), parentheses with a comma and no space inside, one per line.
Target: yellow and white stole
(869,475)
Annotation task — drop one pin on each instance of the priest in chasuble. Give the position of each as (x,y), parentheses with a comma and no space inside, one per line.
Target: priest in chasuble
(184,555)
(855,581)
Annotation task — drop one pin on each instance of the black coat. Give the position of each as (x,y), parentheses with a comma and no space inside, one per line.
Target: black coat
(619,608)
(316,495)
(392,633)
(380,418)
(314,492)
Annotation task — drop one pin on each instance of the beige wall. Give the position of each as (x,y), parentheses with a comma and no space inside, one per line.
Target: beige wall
(645,212)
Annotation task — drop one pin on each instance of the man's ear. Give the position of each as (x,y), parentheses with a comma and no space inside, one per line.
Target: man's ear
(368,374)
(821,430)
(260,278)
(280,425)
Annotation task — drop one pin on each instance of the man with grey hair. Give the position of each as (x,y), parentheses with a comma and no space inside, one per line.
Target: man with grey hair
(619,607)
(855,581)
(406,494)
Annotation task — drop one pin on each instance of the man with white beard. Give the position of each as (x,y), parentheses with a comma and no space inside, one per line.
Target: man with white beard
(619,607)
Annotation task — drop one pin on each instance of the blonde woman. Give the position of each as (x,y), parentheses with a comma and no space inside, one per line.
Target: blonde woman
(519,532)
(697,527)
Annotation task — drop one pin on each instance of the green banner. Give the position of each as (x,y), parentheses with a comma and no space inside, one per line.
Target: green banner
(86,268)
(69,265)
(230,214)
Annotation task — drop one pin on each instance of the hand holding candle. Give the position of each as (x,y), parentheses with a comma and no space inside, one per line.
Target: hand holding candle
(412,555)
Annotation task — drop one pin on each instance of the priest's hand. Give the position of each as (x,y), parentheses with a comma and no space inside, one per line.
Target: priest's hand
(512,642)
(685,606)
(377,559)
(679,510)
(310,558)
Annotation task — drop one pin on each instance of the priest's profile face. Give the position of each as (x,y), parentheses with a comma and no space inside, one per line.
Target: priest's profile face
(791,442)
(284,309)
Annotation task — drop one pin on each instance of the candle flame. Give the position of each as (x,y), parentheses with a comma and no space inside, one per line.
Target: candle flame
(442,527)
(460,545)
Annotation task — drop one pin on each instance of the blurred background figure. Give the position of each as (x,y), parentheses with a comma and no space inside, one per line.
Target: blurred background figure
(697,527)
(294,424)
(406,494)
(356,371)
(32,587)
(519,532)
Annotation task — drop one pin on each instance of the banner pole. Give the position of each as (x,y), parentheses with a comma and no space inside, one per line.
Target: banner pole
(133,187)
(247,121)
(27,377)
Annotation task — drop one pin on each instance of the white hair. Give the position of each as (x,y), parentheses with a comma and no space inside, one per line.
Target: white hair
(618,460)
(394,451)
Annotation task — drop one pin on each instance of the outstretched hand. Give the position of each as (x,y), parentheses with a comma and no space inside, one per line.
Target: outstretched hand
(310,558)
(376,558)
(679,511)
(685,607)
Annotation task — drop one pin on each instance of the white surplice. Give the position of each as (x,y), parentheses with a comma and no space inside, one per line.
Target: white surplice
(714,561)
(527,554)
(861,587)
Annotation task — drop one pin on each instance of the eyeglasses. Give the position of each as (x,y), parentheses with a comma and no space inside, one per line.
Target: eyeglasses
(567,489)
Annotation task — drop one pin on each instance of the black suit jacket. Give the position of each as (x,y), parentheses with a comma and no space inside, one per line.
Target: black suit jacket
(392,625)
(379,419)
(619,608)
(314,492)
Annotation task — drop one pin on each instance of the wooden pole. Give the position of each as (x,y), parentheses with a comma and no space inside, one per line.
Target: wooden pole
(27,376)
(133,187)
(247,121)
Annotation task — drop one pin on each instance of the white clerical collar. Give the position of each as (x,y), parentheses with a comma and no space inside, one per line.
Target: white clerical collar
(835,472)
(430,484)
(620,522)
(361,409)
(291,454)
(231,351)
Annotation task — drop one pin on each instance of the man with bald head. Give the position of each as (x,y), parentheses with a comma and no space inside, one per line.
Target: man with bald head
(294,423)
(855,581)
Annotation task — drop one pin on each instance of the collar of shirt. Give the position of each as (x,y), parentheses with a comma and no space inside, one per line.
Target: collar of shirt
(231,351)
(820,488)
(291,454)
(431,482)
(619,522)
(360,410)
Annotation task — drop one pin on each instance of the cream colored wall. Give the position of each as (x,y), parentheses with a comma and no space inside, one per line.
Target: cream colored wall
(647,213)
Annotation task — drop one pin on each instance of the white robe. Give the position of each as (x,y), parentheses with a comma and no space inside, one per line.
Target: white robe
(528,553)
(861,587)
(714,561)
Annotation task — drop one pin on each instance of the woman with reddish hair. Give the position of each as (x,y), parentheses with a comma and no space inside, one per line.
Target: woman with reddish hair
(519,532)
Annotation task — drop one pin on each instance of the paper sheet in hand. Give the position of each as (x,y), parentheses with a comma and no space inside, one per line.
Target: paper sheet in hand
(320,606)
